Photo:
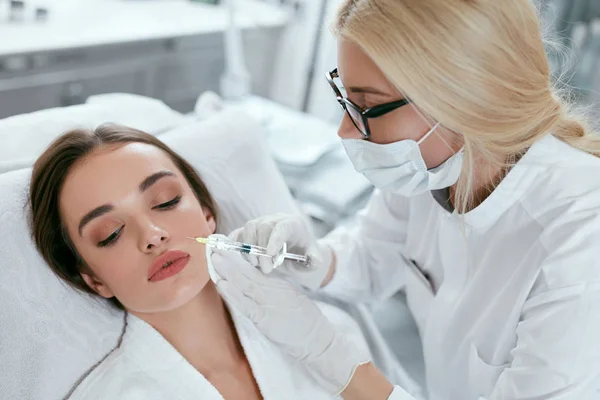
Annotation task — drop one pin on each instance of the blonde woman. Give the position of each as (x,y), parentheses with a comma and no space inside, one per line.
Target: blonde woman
(487,210)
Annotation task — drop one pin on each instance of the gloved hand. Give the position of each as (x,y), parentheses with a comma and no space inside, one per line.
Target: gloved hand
(289,319)
(275,230)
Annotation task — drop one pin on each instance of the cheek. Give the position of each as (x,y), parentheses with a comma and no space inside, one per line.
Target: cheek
(401,124)
(115,268)
(190,219)
(435,151)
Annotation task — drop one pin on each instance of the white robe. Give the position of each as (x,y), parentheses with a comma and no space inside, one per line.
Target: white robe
(146,367)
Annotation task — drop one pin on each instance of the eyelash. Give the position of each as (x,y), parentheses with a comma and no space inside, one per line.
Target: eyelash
(169,204)
(109,241)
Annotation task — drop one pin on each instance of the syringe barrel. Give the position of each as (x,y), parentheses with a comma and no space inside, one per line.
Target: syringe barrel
(240,247)
(255,250)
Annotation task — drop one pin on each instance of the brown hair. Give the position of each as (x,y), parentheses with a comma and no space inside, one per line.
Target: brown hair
(49,174)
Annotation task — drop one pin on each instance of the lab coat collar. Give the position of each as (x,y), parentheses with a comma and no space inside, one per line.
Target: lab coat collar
(518,180)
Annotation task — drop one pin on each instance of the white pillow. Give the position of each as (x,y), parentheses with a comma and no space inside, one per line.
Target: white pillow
(51,335)
(24,137)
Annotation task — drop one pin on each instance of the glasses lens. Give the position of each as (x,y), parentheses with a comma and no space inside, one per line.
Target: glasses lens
(357,119)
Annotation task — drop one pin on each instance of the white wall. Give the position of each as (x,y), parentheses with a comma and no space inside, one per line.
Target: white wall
(322,101)
(294,62)
(295,50)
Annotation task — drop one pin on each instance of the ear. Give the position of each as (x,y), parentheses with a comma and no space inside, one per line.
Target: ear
(97,286)
(211,221)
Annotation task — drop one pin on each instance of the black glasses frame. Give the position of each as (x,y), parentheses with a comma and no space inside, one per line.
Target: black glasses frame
(364,112)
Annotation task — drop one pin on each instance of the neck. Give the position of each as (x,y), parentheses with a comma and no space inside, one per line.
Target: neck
(201,331)
(485,178)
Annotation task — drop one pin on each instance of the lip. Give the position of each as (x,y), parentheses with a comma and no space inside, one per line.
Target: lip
(178,260)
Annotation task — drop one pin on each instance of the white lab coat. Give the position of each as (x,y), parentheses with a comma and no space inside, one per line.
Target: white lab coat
(146,367)
(512,306)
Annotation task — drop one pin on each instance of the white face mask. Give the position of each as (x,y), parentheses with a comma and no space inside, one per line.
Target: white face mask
(399,167)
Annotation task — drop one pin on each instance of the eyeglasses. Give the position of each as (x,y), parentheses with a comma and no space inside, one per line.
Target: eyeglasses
(360,115)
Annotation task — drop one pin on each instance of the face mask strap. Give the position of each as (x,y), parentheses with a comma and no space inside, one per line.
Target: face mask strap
(428,133)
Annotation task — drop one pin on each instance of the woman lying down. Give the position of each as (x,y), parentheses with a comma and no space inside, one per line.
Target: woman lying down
(110,213)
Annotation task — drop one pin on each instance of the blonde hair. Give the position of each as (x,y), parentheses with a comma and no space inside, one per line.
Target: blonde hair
(477,66)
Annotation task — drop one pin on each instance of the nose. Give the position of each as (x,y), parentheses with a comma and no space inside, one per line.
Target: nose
(347,130)
(152,237)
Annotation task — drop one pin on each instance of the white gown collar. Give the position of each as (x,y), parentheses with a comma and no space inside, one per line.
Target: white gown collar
(270,368)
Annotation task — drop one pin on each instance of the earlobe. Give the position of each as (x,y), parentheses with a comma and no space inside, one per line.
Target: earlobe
(210,220)
(212,224)
(97,286)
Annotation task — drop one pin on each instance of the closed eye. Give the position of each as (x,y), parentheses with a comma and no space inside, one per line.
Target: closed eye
(169,204)
(115,235)
(111,239)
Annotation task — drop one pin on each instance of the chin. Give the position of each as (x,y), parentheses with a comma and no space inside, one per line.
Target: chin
(178,294)
(188,289)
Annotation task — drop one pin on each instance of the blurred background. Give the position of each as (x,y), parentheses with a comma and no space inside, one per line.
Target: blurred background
(573,31)
(59,52)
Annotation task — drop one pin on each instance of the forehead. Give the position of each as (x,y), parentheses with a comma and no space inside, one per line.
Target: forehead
(355,66)
(110,174)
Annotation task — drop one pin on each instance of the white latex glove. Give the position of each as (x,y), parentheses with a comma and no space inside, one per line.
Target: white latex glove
(272,232)
(289,319)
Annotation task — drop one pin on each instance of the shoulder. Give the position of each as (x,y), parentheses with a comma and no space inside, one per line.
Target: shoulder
(564,200)
(565,175)
(564,196)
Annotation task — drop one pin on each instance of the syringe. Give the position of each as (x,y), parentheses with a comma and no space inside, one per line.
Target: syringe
(244,248)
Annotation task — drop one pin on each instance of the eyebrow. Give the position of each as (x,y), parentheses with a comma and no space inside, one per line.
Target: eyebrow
(152,179)
(366,89)
(106,208)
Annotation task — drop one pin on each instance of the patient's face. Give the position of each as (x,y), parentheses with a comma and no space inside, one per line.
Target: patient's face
(139,208)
